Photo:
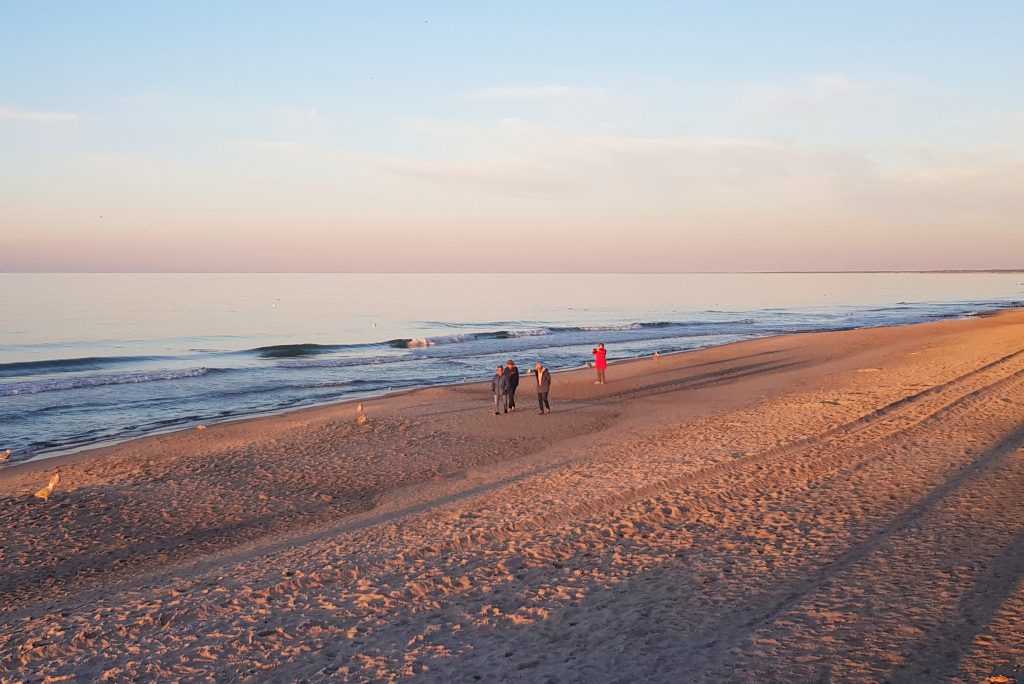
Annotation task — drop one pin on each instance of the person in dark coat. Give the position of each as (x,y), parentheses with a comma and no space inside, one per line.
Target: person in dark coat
(512,372)
(499,387)
(543,387)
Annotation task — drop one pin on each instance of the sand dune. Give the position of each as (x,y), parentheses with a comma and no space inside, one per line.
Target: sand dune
(823,507)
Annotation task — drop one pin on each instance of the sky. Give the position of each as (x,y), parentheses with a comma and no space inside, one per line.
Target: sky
(511,137)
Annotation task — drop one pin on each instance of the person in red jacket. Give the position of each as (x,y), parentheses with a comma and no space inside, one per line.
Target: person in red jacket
(600,362)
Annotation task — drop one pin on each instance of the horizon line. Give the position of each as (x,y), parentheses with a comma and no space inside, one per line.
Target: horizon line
(751,272)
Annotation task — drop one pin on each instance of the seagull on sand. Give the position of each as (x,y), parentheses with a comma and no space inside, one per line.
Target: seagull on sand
(46,491)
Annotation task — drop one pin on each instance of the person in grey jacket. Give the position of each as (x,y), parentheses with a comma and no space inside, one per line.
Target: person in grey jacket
(543,387)
(499,387)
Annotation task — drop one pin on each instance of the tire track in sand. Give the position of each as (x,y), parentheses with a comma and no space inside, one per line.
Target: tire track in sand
(895,418)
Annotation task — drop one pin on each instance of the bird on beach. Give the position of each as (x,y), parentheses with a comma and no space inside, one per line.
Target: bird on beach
(46,491)
(4,456)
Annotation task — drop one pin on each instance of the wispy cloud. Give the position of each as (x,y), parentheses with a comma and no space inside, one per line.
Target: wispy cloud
(37,117)
(295,116)
(548,92)
(725,176)
(284,145)
(510,174)
(815,92)
(515,156)
(498,170)
(303,149)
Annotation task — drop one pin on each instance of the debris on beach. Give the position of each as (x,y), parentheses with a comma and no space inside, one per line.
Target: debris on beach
(46,491)
(4,455)
(200,427)
(360,416)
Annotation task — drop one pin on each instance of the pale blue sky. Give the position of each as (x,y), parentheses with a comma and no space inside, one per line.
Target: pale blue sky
(585,137)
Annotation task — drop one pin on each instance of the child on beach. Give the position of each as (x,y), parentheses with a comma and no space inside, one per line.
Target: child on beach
(499,387)
(600,362)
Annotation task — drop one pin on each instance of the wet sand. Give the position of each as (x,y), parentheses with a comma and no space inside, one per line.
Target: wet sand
(822,507)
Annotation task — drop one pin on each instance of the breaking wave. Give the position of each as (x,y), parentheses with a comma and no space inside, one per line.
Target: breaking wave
(37,386)
(287,351)
(85,363)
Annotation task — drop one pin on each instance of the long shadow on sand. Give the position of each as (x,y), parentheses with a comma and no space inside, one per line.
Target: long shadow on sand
(939,657)
(82,557)
(704,644)
(788,594)
(709,379)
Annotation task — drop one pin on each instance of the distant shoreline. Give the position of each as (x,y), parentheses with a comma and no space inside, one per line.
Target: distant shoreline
(244,351)
(76,453)
(1003,271)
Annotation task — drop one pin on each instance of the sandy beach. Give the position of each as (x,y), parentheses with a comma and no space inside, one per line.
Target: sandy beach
(840,506)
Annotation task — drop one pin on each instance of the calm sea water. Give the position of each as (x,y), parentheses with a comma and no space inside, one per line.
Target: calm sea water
(92,358)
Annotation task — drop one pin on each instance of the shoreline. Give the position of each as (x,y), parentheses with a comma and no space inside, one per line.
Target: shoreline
(101,447)
(835,505)
(944,271)
(58,456)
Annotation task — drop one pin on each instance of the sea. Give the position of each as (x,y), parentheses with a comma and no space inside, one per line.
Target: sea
(94,359)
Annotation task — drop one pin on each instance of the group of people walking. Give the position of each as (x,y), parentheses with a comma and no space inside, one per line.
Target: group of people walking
(506,381)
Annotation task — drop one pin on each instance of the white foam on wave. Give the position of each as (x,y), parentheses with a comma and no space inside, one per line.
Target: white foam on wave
(421,342)
(611,328)
(97,381)
(529,332)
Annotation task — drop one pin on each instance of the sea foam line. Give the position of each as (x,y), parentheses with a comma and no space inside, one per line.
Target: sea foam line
(35,387)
